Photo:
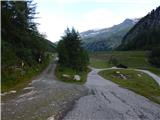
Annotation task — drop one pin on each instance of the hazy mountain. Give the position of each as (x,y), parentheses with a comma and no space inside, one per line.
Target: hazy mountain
(107,38)
(145,34)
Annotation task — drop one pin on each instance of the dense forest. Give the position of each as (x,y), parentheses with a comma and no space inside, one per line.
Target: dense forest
(23,47)
(145,35)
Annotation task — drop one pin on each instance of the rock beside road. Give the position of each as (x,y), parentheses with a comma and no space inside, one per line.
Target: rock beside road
(77,77)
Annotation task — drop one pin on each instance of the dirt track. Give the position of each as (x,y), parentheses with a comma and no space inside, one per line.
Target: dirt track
(48,99)
(43,99)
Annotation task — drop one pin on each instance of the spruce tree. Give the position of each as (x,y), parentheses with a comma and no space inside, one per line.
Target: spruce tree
(70,51)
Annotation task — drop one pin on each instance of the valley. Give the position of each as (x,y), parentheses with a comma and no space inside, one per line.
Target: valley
(107,38)
(110,70)
(131,59)
(48,98)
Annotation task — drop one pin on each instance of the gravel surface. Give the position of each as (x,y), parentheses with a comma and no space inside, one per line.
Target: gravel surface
(99,99)
(108,101)
(43,99)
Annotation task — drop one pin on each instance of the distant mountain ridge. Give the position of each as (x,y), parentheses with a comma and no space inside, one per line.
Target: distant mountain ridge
(107,38)
(145,35)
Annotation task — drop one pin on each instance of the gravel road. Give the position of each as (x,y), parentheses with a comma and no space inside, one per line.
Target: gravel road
(43,99)
(108,101)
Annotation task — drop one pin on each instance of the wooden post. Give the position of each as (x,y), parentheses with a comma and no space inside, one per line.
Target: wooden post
(22,64)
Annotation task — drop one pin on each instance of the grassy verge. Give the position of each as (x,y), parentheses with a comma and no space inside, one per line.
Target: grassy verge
(99,63)
(136,81)
(131,59)
(154,70)
(17,79)
(60,71)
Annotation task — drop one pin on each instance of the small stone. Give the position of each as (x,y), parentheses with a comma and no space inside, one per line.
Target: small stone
(56,58)
(117,72)
(77,77)
(139,75)
(66,76)
(12,91)
(123,76)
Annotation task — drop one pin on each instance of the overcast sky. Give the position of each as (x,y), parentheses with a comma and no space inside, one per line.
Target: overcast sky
(56,15)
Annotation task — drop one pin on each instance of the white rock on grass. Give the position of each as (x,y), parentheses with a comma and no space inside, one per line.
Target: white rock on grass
(6,93)
(77,77)
(65,75)
(117,72)
(139,75)
(51,118)
(123,76)
(12,91)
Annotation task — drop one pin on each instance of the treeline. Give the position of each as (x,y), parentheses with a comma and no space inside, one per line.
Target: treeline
(145,35)
(20,37)
(21,43)
(145,40)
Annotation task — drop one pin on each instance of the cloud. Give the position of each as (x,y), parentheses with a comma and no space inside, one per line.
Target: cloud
(53,25)
(105,1)
(126,1)
(54,20)
(98,18)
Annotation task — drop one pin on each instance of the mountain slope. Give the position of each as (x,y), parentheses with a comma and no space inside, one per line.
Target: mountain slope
(108,38)
(145,34)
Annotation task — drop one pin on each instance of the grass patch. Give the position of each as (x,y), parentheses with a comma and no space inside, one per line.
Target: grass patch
(17,79)
(154,70)
(60,70)
(131,59)
(99,63)
(138,82)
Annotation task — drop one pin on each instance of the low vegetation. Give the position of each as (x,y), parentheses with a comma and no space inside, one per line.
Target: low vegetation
(145,34)
(73,59)
(136,81)
(131,59)
(24,50)
(17,78)
(154,57)
(67,74)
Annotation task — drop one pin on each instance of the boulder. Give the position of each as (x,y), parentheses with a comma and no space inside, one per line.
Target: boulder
(121,66)
(77,77)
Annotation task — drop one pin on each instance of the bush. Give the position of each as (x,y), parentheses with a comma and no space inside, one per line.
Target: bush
(154,57)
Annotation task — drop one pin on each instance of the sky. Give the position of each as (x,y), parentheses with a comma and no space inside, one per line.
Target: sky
(56,15)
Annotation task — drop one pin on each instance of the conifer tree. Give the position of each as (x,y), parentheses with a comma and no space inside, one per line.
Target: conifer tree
(71,52)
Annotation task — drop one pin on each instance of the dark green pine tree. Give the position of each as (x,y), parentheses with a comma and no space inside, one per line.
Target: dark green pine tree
(71,52)
(20,36)
(154,57)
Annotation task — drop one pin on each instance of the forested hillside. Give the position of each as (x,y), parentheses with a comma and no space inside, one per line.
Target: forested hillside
(108,38)
(145,35)
(23,47)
